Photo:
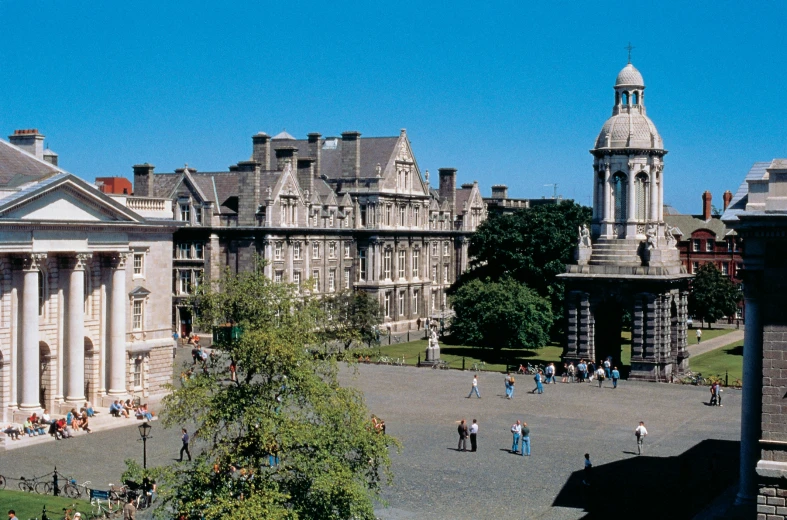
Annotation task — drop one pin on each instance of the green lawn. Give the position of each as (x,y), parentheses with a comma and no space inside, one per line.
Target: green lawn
(719,361)
(706,334)
(29,505)
(497,360)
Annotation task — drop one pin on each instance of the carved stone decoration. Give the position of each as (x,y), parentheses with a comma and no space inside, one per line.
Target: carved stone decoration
(403,154)
(118,260)
(33,262)
(584,236)
(669,235)
(80,260)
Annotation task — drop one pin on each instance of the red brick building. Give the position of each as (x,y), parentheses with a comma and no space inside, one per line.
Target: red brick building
(705,238)
(114,185)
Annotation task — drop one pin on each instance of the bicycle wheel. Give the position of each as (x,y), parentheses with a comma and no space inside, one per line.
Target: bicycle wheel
(43,488)
(71,491)
(2,482)
(24,486)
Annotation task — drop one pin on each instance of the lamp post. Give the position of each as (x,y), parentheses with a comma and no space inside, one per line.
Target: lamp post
(144,432)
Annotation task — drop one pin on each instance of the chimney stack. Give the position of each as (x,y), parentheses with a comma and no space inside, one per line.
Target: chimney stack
(314,151)
(29,140)
(143,180)
(50,157)
(284,154)
(447,188)
(727,199)
(351,154)
(706,205)
(499,191)
(248,192)
(261,150)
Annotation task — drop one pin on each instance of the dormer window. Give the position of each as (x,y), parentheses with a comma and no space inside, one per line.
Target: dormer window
(198,215)
(185,212)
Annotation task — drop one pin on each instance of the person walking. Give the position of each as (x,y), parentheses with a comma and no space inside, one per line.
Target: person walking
(600,374)
(712,401)
(508,385)
(184,438)
(572,372)
(516,430)
(474,436)
(511,385)
(539,387)
(615,377)
(525,440)
(587,471)
(591,371)
(718,393)
(475,387)
(550,373)
(699,335)
(462,429)
(641,432)
(129,510)
(607,368)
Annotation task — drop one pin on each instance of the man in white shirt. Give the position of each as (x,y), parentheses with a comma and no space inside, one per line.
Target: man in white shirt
(516,430)
(641,432)
(475,387)
(473,436)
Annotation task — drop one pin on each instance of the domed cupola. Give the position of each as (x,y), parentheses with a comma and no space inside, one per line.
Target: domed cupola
(629,126)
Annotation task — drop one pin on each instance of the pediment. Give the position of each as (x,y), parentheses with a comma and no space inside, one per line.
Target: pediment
(67,199)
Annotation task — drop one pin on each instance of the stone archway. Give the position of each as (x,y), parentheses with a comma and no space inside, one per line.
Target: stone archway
(45,373)
(91,371)
(608,322)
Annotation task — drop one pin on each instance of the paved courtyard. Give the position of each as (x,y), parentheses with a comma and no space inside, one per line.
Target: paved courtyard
(433,481)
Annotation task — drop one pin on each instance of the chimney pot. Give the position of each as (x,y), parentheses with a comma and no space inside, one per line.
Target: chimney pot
(143,180)
(351,154)
(261,150)
(706,205)
(727,199)
(29,140)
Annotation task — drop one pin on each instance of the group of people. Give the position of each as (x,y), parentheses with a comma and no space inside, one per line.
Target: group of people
(587,371)
(125,408)
(62,428)
(465,432)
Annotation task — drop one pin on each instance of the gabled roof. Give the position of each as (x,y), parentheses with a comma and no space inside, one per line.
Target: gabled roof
(688,224)
(346,201)
(139,292)
(17,167)
(90,199)
(738,203)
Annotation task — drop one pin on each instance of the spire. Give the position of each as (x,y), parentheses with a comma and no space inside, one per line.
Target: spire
(629,47)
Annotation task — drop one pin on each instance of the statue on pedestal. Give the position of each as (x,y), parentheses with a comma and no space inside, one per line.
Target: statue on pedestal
(433,350)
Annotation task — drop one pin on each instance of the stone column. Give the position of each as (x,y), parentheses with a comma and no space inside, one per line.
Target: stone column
(571,350)
(30,361)
(268,258)
(630,198)
(654,197)
(584,340)
(637,327)
(117,327)
(75,385)
(751,400)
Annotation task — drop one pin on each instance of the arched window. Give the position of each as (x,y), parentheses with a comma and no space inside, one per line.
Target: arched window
(635,98)
(617,98)
(642,196)
(619,196)
(625,98)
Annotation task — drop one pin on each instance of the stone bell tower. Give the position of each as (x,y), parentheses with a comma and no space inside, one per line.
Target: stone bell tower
(627,263)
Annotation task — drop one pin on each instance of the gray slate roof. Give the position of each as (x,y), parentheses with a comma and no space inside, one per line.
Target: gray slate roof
(688,224)
(18,167)
(741,197)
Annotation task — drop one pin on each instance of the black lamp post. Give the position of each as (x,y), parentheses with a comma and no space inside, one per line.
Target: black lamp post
(144,432)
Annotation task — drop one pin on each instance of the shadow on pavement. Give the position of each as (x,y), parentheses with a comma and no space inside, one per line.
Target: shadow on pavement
(652,487)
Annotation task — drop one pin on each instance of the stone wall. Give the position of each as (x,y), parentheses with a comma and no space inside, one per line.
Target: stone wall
(159,370)
(771,502)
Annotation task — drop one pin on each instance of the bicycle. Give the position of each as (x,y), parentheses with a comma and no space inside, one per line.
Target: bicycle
(399,361)
(2,482)
(32,485)
(68,512)
(444,365)
(71,489)
(118,493)
(101,504)
(477,367)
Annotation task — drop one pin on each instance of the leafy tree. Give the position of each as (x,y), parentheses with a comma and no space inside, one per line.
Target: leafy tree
(285,403)
(500,314)
(351,316)
(531,246)
(713,295)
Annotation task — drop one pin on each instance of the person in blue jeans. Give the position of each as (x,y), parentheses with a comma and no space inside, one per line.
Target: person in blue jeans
(475,387)
(516,430)
(508,385)
(525,440)
(539,387)
(615,377)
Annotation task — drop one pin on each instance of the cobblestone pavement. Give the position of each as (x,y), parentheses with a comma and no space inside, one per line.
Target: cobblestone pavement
(433,481)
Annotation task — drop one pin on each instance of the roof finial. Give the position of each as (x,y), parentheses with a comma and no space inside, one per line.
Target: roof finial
(629,47)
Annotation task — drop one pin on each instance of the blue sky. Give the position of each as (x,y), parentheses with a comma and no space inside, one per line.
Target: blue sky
(509,92)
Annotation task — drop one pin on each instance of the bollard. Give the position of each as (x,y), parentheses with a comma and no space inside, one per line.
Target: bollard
(419,360)
(55,487)
(726,378)
(463,362)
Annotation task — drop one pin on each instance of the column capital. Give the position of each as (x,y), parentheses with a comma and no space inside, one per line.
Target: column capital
(118,260)
(80,260)
(33,261)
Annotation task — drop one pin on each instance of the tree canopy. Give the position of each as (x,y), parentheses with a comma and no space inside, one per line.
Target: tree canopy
(713,295)
(500,314)
(285,441)
(531,246)
(351,316)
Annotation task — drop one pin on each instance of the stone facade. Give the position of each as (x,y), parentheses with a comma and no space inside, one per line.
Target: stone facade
(332,214)
(84,291)
(628,261)
(759,214)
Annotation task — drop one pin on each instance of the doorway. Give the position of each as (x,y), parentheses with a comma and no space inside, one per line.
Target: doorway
(609,323)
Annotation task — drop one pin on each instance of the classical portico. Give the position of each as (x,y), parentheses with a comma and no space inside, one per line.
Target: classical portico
(627,262)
